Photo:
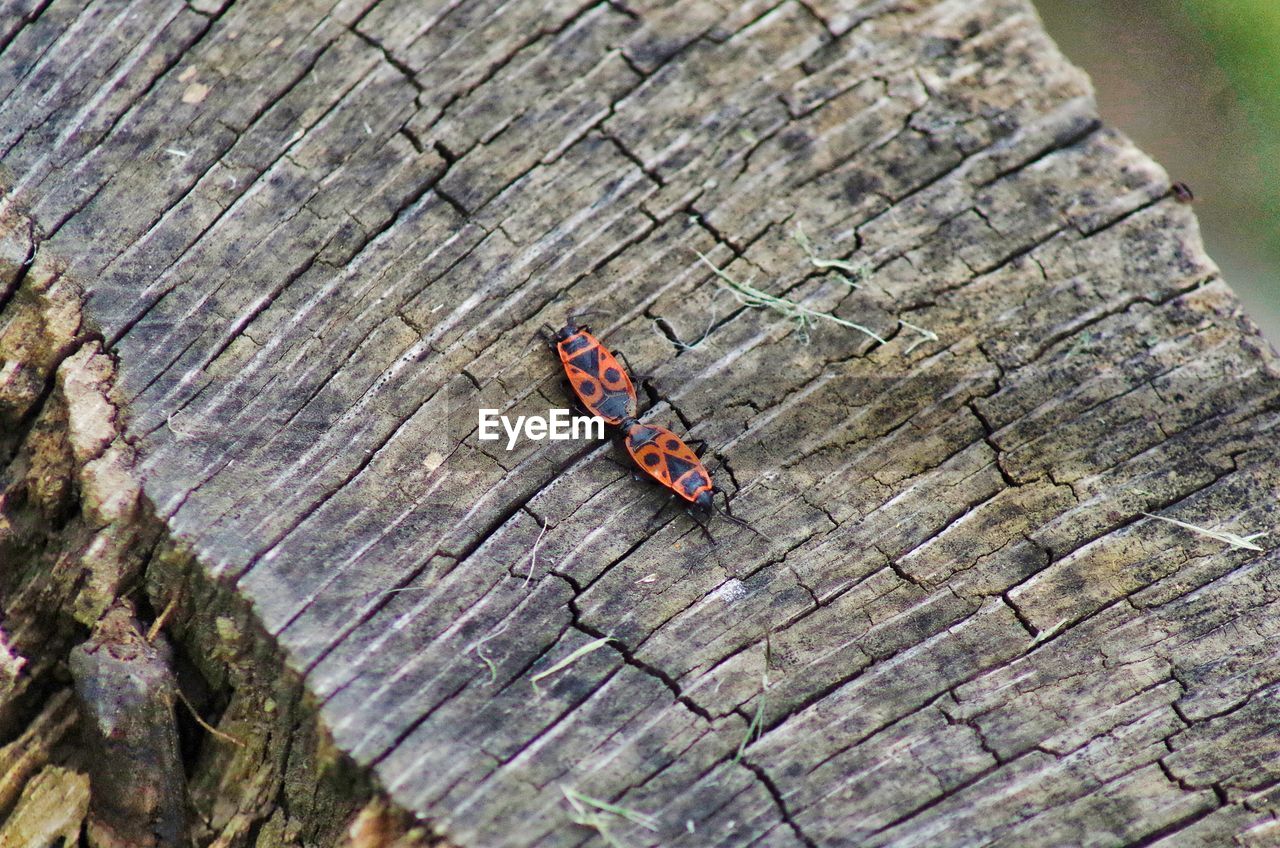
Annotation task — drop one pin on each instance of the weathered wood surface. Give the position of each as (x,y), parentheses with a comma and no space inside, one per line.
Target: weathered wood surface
(315,237)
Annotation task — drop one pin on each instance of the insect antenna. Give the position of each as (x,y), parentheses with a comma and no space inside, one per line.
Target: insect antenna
(727,513)
(574,316)
(545,333)
(736,520)
(665,503)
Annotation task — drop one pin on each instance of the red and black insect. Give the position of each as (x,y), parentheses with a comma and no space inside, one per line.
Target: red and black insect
(668,460)
(595,375)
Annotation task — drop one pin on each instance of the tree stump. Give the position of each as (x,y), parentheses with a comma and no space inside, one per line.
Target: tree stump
(263,262)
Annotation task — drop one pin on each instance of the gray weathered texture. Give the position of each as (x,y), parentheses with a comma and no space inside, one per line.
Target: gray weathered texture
(316,237)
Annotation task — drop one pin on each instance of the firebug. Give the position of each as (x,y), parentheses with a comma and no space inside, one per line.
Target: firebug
(670,462)
(596,376)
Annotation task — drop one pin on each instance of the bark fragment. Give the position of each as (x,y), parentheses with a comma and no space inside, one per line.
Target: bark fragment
(127,692)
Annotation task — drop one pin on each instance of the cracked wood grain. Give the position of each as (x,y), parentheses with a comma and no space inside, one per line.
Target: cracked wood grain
(317,237)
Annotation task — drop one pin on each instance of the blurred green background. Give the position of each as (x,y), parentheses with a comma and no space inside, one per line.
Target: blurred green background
(1196,83)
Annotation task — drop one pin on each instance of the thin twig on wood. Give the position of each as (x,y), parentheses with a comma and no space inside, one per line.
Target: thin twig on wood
(162,619)
(225,737)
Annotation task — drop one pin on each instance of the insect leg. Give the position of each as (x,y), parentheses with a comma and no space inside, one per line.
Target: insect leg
(702,525)
(545,333)
(574,316)
(720,491)
(631,369)
(666,503)
(631,469)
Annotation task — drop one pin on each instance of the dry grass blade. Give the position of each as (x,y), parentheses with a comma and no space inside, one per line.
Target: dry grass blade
(749,295)
(1232,539)
(577,654)
(598,822)
(585,803)
(858,271)
(479,649)
(533,556)
(162,619)
(756,726)
(925,335)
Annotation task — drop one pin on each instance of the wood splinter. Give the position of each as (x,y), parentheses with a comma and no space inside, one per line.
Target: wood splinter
(126,691)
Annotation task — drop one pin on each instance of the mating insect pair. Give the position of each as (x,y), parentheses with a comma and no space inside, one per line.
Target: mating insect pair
(604,389)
